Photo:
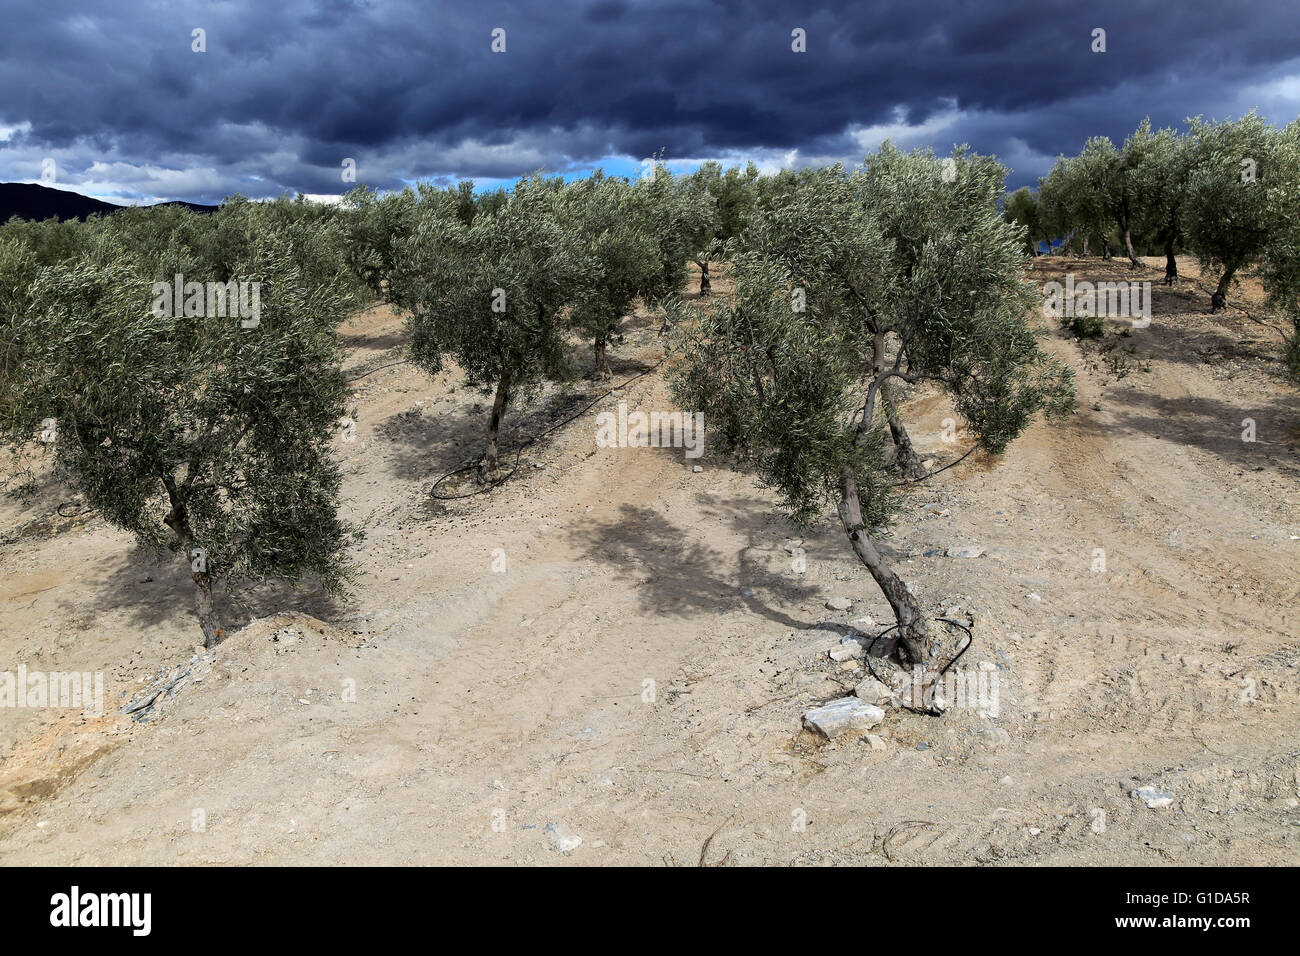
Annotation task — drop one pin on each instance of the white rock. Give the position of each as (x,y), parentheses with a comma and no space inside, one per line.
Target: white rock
(848,649)
(697,469)
(1154,797)
(873,692)
(562,838)
(994,737)
(876,741)
(847,713)
(839,604)
(965,551)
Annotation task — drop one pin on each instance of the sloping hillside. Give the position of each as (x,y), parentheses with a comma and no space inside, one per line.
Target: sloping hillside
(36,202)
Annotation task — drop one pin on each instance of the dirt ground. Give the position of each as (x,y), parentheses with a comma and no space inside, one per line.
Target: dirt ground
(636,674)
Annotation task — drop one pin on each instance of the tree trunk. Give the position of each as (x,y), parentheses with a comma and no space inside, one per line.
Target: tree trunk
(706,287)
(1069,239)
(1085,247)
(908,460)
(913,631)
(1105,250)
(489,463)
(905,455)
(599,348)
(1171,264)
(179,522)
(1219,300)
(1128,244)
(213,633)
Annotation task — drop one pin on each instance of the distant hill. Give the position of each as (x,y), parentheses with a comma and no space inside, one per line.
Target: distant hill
(192,206)
(36,202)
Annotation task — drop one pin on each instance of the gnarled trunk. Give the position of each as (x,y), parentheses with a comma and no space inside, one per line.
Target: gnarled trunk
(178,521)
(913,630)
(1219,300)
(213,633)
(1171,264)
(706,287)
(600,349)
(908,460)
(1128,246)
(489,463)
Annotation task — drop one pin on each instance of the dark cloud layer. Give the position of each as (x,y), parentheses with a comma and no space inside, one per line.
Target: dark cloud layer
(114,94)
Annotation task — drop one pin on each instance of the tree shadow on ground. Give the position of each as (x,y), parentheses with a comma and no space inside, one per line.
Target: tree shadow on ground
(424,447)
(154,588)
(373,341)
(677,576)
(1209,424)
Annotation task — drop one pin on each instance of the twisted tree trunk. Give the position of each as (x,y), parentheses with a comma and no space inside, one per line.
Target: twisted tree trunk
(1128,245)
(913,630)
(706,287)
(178,521)
(1219,300)
(908,460)
(905,454)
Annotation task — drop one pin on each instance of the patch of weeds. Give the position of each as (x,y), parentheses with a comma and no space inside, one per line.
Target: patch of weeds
(1085,326)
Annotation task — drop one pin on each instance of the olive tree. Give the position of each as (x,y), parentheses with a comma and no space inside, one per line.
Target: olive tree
(791,370)
(494,295)
(732,197)
(1157,167)
(1279,267)
(197,418)
(606,217)
(680,217)
(1073,197)
(1228,215)
(1021,208)
(376,224)
(1053,210)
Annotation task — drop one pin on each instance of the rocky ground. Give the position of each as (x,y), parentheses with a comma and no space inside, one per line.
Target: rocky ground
(608,659)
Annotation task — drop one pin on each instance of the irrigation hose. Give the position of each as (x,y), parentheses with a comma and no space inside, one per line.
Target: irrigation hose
(970,639)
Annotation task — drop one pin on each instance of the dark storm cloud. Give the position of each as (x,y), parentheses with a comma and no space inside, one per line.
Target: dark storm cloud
(285,92)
